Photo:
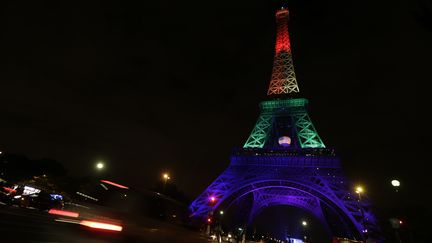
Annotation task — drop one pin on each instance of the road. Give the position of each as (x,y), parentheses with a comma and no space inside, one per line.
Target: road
(29,225)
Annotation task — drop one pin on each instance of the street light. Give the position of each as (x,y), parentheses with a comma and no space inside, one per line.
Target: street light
(100,165)
(395,184)
(359,190)
(305,224)
(165,177)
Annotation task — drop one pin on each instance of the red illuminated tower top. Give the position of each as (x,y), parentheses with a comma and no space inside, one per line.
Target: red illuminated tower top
(283,80)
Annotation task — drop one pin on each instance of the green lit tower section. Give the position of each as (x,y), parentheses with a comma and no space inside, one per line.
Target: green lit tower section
(284,121)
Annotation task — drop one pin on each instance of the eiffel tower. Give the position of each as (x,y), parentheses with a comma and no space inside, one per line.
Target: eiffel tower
(285,162)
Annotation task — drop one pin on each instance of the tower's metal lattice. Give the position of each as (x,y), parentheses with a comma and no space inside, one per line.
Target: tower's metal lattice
(293,109)
(299,172)
(283,80)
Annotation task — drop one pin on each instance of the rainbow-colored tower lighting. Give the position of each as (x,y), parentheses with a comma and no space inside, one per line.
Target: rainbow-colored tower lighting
(283,80)
(285,162)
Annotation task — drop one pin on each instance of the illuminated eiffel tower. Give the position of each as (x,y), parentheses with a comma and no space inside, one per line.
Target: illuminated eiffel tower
(285,162)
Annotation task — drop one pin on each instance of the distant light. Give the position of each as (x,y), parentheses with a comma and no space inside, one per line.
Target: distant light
(98,225)
(100,165)
(400,222)
(221,212)
(212,199)
(166,176)
(229,235)
(240,229)
(359,189)
(395,183)
(87,196)
(103,186)
(65,220)
(304,223)
(63,213)
(114,184)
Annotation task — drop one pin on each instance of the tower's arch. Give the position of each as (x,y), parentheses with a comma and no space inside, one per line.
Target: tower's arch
(336,219)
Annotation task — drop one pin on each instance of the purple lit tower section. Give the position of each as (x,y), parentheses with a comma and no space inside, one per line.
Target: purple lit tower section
(285,162)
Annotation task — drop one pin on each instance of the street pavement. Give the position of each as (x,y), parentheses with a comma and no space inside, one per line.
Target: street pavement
(31,225)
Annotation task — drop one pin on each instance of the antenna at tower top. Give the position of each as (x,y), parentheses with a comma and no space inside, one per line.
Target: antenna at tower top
(283,5)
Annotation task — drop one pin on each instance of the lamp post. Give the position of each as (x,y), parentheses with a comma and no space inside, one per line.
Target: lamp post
(359,190)
(219,229)
(396,223)
(304,224)
(165,178)
(211,202)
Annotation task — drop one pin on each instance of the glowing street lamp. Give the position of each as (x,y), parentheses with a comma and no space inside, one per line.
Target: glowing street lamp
(359,190)
(221,212)
(100,165)
(305,224)
(395,184)
(165,177)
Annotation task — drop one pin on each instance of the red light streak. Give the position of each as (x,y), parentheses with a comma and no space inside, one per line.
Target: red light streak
(114,184)
(63,213)
(98,225)
(9,190)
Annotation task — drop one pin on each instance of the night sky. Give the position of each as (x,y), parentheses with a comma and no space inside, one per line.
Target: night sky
(149,87)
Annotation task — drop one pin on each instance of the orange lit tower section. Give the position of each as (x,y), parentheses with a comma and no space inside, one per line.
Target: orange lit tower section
(283,80)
